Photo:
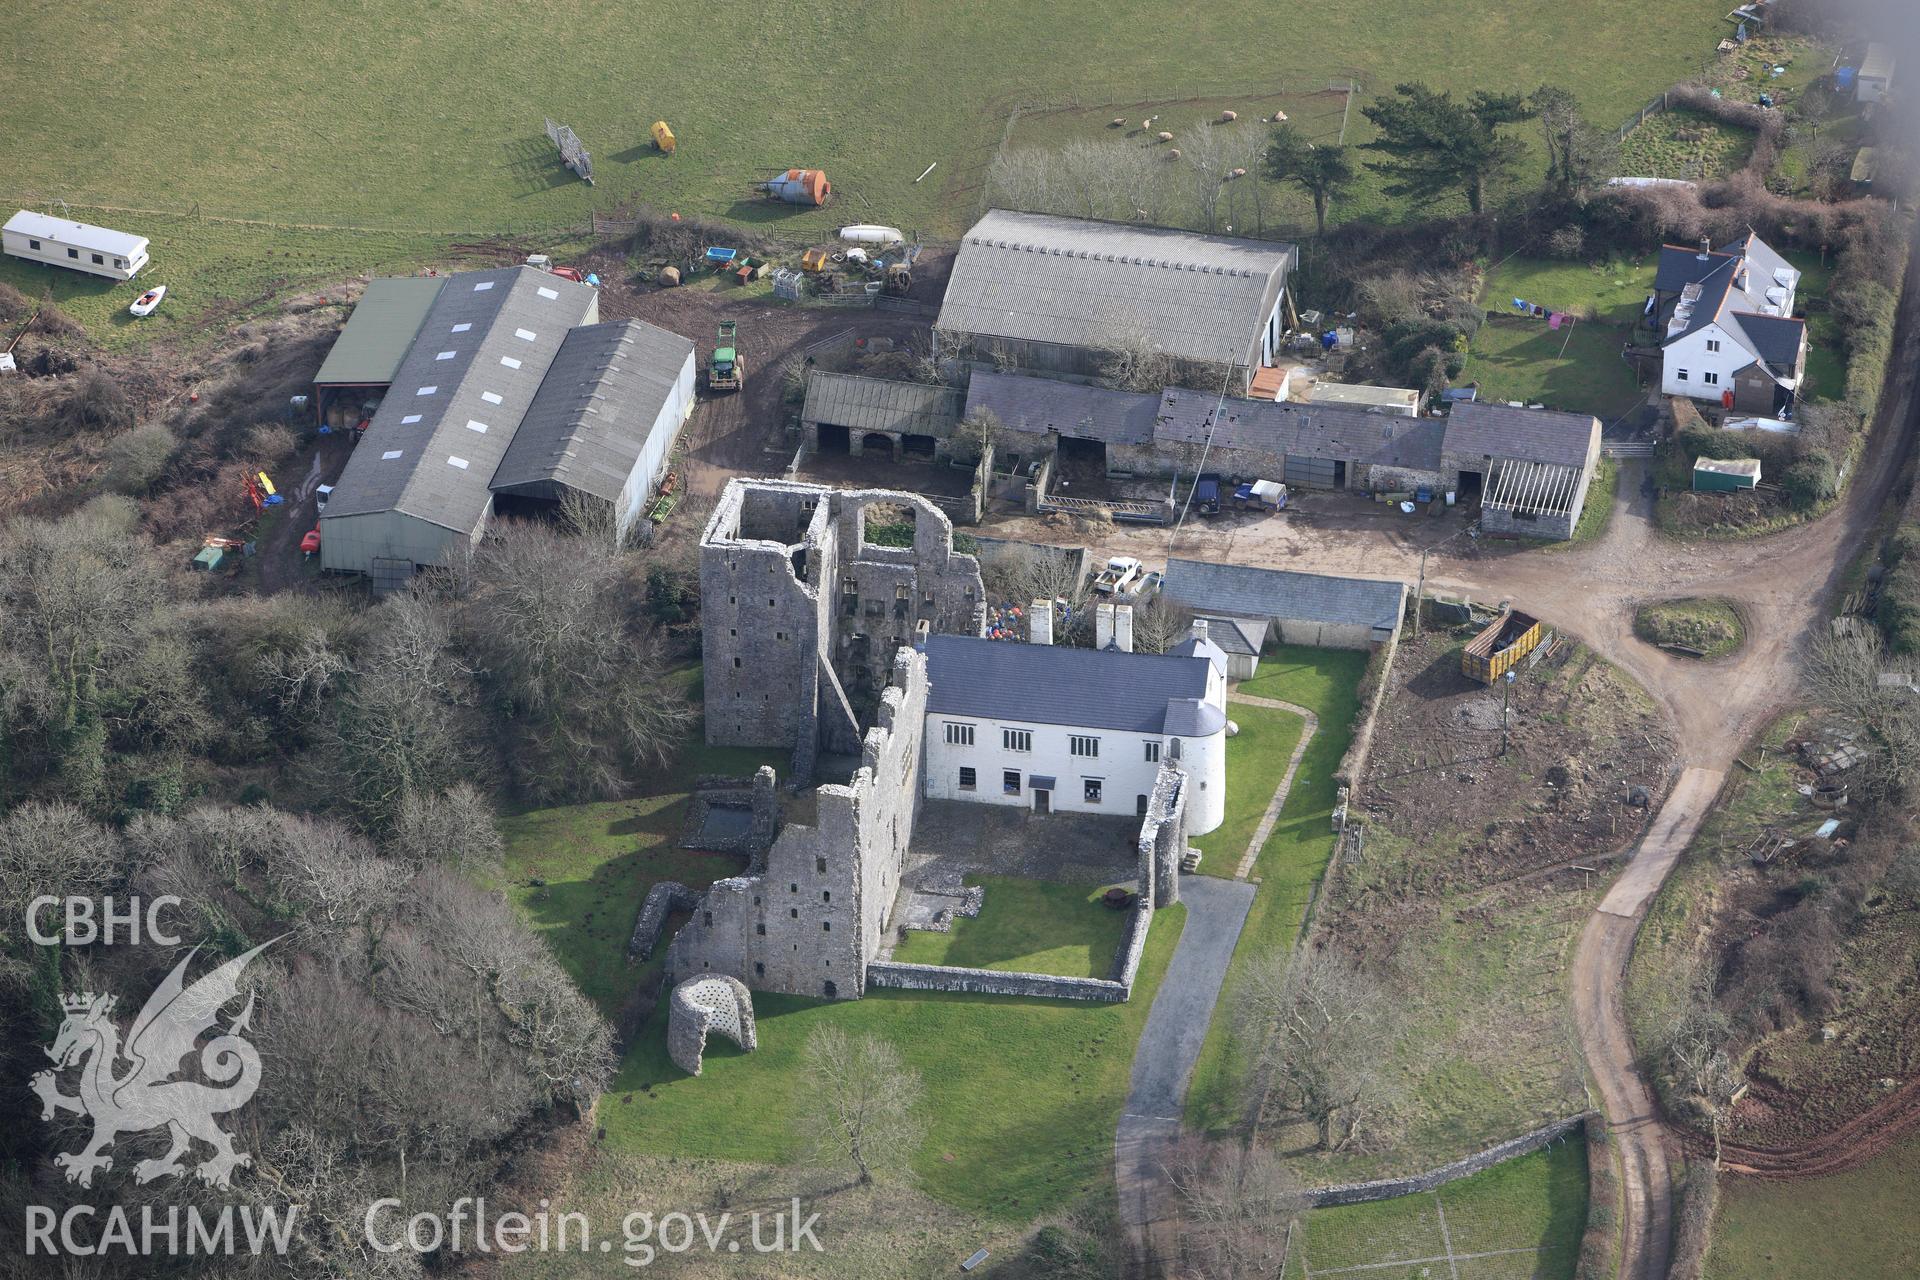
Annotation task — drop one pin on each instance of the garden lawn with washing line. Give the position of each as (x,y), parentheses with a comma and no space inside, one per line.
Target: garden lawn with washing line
(1022,1095)
(1863,1224)
(1578,370)
(1289,863)
(1521,1220)
(429,119)
(1028,926)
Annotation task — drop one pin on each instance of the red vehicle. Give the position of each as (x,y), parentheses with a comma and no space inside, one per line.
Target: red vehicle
(570,273)
(310,544)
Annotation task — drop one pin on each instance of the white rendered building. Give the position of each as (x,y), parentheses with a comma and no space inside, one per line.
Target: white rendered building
(1055,729)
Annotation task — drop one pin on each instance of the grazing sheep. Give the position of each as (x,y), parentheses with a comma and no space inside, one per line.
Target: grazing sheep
(1118,122)
(1237,173)
(1279,117)
(1228,117)
(1174,154)
(1164,136)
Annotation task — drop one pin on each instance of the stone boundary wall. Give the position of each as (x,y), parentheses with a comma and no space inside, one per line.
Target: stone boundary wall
(1478,1162)
(1126,961)
(1352,770)
(992,982)
(663,899)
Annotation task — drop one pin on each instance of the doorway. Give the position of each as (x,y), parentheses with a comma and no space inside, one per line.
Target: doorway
(834,439)
(1042,800)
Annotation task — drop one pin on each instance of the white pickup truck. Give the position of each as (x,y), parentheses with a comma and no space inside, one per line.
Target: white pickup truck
(1117,576)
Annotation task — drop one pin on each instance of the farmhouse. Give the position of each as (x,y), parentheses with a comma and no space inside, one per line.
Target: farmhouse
(1728,331)
(1052,294)
(1299,608)
(1052,729)
(1531,467)
(492,391)
(78,246)
(363,360)
(901,421)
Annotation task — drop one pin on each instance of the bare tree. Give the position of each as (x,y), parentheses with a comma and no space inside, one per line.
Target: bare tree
(1159,624)
(1130,360)
(1203,153)
(1325,1029)
(1237,1204)
(454,829)
(1021,575)
(1697,1053)
(595,522)
(1243,153)
(860,1103)
(1844,673)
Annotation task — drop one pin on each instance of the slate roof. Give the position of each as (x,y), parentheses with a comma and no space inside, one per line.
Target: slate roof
(1192,648)
(1036,277)
(1242,636)
(1053,684)
(1482,429)
(596,408)
(1247,592)
(1334,432)
(1192,718)
(881,404)
(370,348)
(83,235)
(470,376)
(1075,411)
(1739,305)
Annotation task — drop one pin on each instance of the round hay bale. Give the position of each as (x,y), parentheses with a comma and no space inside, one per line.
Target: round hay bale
(669,277)
(1228,117)
(1164,136)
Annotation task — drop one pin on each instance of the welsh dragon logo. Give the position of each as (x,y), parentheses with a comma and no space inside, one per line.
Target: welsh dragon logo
(144,1095)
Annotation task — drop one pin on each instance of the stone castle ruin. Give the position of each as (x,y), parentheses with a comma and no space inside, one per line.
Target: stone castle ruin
(809,632)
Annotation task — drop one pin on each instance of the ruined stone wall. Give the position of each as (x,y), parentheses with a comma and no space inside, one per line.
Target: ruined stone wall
(993,982)
(808,923)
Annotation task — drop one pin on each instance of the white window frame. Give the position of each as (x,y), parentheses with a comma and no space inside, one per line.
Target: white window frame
(1711,378)
(1084,745)
(1679,375)
(1092,790)
(1152,751)
(1020,740)
(959,734)
(1713,345)
(962,781)
(1011,782)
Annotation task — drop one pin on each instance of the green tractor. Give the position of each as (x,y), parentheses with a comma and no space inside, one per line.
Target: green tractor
(726,371)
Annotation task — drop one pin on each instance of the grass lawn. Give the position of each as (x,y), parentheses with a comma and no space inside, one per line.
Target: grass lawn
(1021,1103)
(1684,143)
(1290,862)
(427,119)
(1864,1224)
(1598,513)
(1611,292)
(1256,761)
(1535,1206)
(1712,628)
(1030,926)
(1519,358)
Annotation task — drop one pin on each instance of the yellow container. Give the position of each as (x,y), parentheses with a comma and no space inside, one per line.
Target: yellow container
(663,137)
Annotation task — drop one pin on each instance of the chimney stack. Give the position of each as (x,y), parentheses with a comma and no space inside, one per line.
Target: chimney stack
(1103,624)
(1040,622)
(1123,627)
(1706,247)
(1199,630)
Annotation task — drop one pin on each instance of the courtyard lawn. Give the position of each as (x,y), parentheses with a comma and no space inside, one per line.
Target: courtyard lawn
(1029,926)
(427,120)
(1521,1219)
(1256,761)
(1580,371)
(1291,861)
(1863,1224)
(1022,1095)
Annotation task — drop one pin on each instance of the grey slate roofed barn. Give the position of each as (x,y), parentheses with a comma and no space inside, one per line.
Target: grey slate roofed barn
(1246,592)
(1039,278)
(591,417)
(1481,430)
(1242,636)
(880,404)
(1075,411)
(471,374)
(1335,432)
(369,350)
(1053,684)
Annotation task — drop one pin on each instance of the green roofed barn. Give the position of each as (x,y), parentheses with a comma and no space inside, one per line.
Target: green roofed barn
(368,351)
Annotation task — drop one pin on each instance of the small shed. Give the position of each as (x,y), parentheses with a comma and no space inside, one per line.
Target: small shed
(1876,74)
(1725,475)
(377,336)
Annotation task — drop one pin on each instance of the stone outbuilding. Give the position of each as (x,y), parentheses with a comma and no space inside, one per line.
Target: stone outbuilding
(898,421)
(1530,467)
(700,1006)
(1298,608)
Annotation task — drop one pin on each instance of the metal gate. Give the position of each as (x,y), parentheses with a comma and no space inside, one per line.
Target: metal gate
(1311,473)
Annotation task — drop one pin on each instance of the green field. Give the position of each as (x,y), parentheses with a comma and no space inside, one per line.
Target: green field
(1028,926)
(425,119)
(1289,864)
(1863,1224)
(1518,1221)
